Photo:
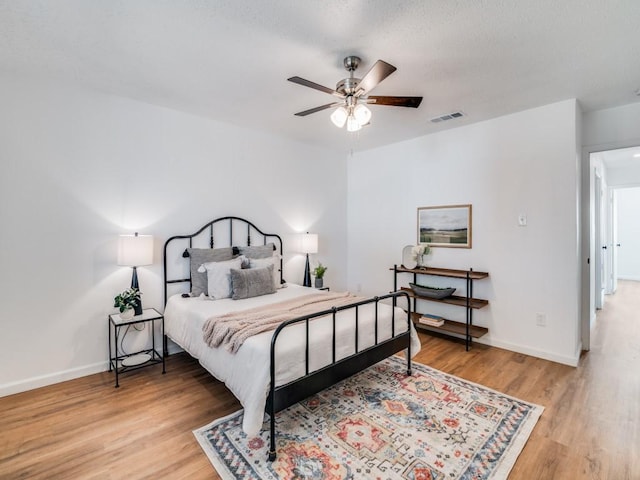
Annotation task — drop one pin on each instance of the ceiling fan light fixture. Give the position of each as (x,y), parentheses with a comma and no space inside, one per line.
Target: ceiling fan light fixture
(353,93)
(362,114)
(339,117)
(352,124)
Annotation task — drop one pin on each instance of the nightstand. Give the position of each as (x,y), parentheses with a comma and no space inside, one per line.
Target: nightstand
(143,358)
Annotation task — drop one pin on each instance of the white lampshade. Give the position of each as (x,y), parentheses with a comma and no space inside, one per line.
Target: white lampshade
(362,114)
(339,117)
(309,243)
(135,250)
(352,124)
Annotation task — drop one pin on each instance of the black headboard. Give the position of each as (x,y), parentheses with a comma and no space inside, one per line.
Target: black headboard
(217,233)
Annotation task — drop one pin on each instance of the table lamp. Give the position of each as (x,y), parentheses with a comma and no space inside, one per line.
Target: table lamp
(308,244)
(135,251)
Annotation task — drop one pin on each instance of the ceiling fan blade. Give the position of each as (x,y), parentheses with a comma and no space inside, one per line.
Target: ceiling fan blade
(315,86)
(413,102)
(374,76)
(317,109)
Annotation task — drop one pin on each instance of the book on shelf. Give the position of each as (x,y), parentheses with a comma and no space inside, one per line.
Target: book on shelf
(431,320)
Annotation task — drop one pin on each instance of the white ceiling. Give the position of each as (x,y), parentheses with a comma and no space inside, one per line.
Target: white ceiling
(229,59)
(621,158)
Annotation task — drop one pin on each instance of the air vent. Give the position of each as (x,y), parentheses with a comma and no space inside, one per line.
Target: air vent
(448,116)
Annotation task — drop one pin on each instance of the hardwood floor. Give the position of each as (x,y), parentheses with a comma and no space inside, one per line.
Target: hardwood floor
(85,428)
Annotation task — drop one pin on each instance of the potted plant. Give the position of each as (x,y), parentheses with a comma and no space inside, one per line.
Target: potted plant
(419,251)
(126,302)
(318,272)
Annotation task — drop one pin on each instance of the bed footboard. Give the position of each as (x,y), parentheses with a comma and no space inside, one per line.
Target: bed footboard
(286,395)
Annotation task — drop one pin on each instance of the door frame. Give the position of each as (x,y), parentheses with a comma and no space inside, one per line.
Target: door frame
(587,234)
(598,226)
(612,239)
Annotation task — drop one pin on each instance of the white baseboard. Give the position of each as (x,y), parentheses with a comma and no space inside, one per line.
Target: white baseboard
(578,354)
(572,361)
(51,378)
(635,278)
(57,377)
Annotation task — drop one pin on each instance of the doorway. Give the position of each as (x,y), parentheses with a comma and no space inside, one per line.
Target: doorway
(609,172)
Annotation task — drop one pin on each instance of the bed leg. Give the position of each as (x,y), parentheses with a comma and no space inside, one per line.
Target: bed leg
(409,362)
(272,448)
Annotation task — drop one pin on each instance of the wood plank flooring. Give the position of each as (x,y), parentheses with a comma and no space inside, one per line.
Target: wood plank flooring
(85,428)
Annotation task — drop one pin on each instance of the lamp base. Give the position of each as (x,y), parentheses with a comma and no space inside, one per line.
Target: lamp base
(307,274)
(134,284)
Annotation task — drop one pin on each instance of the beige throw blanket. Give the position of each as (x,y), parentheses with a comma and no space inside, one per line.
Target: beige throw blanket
(232,329)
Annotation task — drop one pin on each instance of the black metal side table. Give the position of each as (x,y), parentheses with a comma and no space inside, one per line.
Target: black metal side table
(122,363)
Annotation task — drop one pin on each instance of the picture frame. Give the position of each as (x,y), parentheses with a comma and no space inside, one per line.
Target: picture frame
(445,226)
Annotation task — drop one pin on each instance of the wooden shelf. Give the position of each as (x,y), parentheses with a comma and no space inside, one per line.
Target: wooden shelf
(452,300)
(450,326)
(444,272)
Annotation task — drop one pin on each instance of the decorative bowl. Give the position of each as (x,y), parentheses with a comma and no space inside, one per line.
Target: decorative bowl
(431,292)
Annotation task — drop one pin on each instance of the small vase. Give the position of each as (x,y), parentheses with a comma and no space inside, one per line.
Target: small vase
(419,261)
(318,282)
(127,314)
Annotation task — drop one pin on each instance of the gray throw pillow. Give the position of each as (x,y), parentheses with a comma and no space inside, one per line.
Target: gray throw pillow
(252,282)
(258,251)
(198,256)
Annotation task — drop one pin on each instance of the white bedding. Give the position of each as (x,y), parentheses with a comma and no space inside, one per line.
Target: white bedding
(246,373)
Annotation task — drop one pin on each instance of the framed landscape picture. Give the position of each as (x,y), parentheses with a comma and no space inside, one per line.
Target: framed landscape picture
(445,226)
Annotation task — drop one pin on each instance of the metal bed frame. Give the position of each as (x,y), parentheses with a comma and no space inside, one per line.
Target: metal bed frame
(284,396)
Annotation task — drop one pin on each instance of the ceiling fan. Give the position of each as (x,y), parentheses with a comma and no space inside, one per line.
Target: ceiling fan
(354,95)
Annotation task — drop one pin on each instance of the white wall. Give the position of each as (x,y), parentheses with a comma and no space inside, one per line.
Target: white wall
(79,168)
(628,200)
(521,163)
(612,127)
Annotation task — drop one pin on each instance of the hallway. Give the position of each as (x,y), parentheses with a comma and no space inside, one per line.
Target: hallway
(608,389)
(590,428)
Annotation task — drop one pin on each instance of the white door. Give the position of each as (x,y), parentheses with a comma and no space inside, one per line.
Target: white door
(608,220)
(614,241)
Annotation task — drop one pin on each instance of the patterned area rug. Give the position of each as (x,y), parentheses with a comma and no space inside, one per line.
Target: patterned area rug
(382,424)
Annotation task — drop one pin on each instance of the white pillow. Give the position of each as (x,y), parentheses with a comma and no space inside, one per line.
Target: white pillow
(219,276)
(265,262)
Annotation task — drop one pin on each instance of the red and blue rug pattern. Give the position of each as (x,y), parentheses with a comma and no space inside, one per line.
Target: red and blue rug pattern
(382,424)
